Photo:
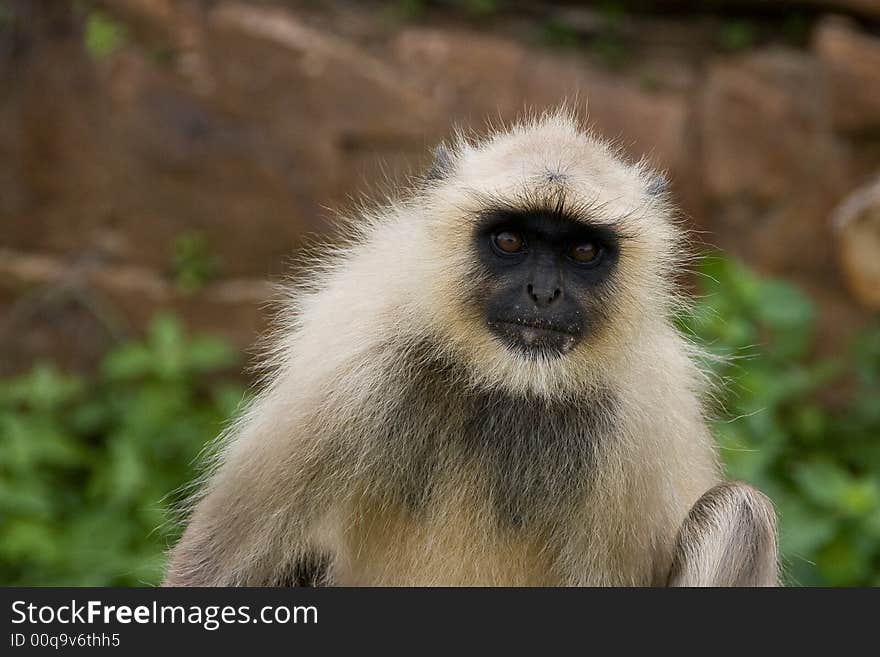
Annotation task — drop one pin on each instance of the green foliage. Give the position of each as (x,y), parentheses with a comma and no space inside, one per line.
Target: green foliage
(192,262)
(89,467)
(609,45)
(611,49)
(405,9)
(816,454)
(416,9)
(737,35)
(103,34)
(796,30)
(6,16)
(649,81)
(479,7)
(559,34)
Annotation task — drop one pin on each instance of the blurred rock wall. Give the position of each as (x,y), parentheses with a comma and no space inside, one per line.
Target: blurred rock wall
(129,126)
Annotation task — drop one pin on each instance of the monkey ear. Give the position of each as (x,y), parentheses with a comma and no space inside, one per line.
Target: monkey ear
(658,184)
(442,165)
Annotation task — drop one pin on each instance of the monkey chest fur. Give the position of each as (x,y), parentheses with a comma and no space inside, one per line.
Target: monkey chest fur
(486,488)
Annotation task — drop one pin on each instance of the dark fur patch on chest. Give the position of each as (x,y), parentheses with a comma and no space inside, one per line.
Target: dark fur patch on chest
(310,570)
(536,455)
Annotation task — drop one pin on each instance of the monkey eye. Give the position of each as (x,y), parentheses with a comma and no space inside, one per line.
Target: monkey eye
(585,253)
(508,241)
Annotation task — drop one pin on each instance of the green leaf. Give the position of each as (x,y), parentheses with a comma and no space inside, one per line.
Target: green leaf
(208,354)
(103,35)
(128,362)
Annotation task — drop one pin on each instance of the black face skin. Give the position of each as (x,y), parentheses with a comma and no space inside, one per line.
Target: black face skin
(548,278)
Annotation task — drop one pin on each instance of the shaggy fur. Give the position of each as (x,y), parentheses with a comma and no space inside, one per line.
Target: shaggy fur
(728,539)
(398,442)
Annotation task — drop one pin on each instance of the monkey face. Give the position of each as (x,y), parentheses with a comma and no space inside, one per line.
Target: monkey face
(545,279)
(545,255)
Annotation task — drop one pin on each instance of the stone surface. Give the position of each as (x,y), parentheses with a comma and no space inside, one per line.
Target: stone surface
(857,226)
(763,124)
(774,170)
(476,78)
(851,59)
(863,8)
(867,8)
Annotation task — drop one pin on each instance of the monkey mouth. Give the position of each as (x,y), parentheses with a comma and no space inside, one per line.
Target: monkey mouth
(536,337)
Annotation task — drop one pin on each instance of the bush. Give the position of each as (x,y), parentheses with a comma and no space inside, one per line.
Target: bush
(816,454)
(89,467)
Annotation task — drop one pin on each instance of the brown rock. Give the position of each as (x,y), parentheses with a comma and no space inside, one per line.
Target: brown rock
(473,76)
(851,59)
(856,223)
(868,8)
(71,312)
(463,71)
(763,125)
(773,167)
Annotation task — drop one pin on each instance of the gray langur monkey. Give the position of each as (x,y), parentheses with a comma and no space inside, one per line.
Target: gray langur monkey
(483,386)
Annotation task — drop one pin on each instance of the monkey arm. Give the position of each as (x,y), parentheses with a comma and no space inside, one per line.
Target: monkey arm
(727,539)
(257,540)
(229,542)
(256,521)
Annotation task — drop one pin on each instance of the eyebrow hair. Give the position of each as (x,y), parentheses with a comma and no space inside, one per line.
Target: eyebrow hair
(553,203)
(508,213)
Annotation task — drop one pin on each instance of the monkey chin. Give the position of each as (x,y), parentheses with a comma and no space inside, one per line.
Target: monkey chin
(534,342)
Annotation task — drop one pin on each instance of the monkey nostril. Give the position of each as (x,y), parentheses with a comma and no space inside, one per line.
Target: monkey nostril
(542,297)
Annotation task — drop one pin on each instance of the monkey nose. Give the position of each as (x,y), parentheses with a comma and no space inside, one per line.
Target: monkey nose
(543,295)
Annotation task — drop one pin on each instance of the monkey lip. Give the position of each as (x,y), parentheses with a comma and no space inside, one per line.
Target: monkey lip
(531,336)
